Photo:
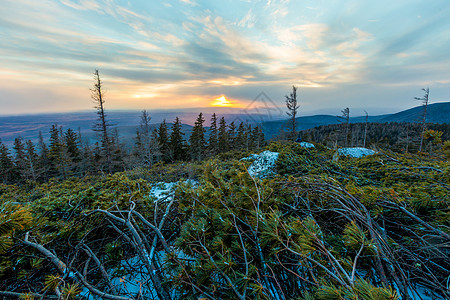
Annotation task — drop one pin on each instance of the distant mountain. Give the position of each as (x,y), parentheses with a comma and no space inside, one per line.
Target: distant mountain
(436,113)
(126,122)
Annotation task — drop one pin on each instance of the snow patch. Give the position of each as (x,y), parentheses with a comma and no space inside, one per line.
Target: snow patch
(263,165)
(307,145)
(356,152)
(163,191)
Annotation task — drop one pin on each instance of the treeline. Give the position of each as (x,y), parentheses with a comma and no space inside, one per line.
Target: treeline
(67,154)
(400,137)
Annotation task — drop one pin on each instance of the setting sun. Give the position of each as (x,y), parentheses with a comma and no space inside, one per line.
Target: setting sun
(222,102)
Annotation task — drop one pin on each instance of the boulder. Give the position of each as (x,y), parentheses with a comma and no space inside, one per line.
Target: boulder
(356,152)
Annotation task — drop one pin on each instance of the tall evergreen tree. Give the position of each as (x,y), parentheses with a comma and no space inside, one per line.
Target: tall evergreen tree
(146,145)
(7,168)
(102,126)
(213,140)
(257,138)
(197,140)
(57,155)
(19,157)
(176,142)
(232,135)
(72,142)
(223,139)
(32,161)
(163,141)
(241,137)
(44,166)
(118,153)
(292,106)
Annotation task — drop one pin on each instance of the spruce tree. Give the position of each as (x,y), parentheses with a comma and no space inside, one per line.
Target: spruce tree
(7,168)
(19,157)
(257,138)
(56,154)
(213,141)
(44,165)
(163,141)
(146,146)
(71,141)
(232,135)
(223,139)
(241,137)
(176,142)
(292,106)
(197,139)
(32,161)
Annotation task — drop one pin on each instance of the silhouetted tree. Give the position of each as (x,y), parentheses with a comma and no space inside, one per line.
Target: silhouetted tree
(292,106)
(241,137)
(223,139)
(176,142)
(197,140)
(19,157)
(345,121)
(232,135)
(101,126)
(424,99)
(213,141)
(7,168)
(163,141)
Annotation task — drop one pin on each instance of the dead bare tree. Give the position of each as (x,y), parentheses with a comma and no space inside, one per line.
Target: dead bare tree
(425,100)
(102,126)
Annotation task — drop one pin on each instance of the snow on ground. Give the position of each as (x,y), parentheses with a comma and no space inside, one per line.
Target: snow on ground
(263,164)
(356,152)
(307,145)
(164,191)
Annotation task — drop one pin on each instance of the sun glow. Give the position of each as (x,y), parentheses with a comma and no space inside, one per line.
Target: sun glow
(222,102)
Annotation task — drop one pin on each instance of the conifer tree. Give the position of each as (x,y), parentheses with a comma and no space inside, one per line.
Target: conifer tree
(197,139)
(31,159)
(292,106)
(241,137)
(118,153)
(146,146)
(163,141)
(7,168)
(176,142)
(213,143)
(71,141)
(232,135)
(257,138)
(57,154)
(19,157)
(223,139)
(44,165)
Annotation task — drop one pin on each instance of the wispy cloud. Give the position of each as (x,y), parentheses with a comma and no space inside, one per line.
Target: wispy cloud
(176,53)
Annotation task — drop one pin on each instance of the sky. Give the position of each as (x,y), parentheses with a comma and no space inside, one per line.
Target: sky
(185,54)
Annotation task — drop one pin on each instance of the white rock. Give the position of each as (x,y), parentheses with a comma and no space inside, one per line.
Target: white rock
(307,145)
(356,152)
(264,164)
